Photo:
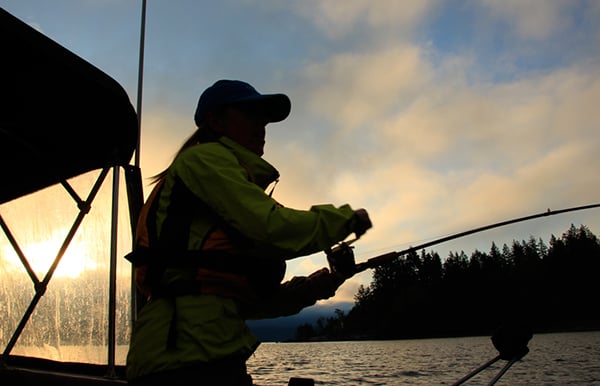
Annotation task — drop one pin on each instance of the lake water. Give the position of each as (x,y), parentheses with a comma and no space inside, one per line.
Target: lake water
(553,359)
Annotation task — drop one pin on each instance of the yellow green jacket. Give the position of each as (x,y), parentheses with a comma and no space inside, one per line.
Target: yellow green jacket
(175,331)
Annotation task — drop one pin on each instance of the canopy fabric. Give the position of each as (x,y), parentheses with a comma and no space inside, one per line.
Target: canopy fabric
(60,116)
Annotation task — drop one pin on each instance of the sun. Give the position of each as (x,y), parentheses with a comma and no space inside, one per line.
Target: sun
(40,256)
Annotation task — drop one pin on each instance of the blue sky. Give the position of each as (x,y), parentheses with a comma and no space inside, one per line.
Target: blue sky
(436,116)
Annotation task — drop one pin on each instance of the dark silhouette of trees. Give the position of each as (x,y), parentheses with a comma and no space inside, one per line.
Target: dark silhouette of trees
(326,328)
(549,287)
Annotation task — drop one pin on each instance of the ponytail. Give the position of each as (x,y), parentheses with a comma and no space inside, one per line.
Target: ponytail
(201,135)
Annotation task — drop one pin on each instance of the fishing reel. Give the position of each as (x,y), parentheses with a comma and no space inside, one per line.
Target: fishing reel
(341,259)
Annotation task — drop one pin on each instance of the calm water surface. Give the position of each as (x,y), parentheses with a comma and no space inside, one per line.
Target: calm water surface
(553,359)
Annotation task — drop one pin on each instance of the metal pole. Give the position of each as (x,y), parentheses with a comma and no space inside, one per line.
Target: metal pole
(140,82)
(476,371)
(134,292)
(112,285)
(503,371)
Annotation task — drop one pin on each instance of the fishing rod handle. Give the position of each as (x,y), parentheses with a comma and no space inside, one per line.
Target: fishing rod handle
(376,261)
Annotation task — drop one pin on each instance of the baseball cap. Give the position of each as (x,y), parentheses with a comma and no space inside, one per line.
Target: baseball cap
(225,92)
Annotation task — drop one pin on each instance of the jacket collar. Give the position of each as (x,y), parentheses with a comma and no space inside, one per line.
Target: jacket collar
(261,172)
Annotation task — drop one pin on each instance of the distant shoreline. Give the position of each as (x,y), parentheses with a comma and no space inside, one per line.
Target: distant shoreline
(436,336)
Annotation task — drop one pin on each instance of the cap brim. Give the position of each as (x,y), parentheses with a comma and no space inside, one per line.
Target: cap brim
(276,107)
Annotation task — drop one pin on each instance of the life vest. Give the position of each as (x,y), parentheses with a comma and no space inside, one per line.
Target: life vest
(220,268)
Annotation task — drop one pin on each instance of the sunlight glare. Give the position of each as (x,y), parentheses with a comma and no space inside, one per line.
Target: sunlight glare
(40,256)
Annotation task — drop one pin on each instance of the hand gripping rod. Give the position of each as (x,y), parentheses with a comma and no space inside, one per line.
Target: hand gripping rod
(388,257)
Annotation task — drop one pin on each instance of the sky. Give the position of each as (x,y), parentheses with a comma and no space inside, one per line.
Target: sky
(436,116)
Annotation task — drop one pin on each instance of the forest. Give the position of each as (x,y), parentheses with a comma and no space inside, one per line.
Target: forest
(546,287)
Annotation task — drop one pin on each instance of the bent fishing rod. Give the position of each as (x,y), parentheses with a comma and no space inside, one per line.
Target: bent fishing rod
(341,257)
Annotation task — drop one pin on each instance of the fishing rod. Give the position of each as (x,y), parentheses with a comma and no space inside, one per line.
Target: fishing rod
(341,257)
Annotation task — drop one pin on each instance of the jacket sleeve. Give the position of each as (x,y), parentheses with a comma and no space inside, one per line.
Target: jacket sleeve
(294,295)
(215,176)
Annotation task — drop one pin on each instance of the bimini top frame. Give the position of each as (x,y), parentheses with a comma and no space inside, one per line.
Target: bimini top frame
(60,117)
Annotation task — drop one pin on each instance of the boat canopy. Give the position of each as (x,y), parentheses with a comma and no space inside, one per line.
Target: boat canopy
(60,116)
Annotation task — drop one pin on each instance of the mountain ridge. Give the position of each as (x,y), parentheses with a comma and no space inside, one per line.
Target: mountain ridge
(283,328)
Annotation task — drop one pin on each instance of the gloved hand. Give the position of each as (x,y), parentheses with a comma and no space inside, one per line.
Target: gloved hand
(323,283)
(362,222)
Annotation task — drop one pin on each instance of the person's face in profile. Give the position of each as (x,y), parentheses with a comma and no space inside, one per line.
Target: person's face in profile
(245,124)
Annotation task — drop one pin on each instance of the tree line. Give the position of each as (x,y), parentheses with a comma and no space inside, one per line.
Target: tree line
(552,287)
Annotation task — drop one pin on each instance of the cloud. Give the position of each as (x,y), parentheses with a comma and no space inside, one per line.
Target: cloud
(526,140)
(354,88)
(429,150)
(338,19)
(531,20)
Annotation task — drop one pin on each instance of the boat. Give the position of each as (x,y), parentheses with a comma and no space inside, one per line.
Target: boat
(61,118)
